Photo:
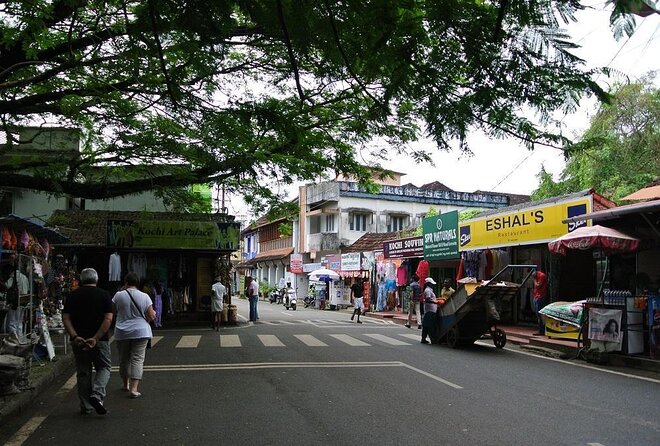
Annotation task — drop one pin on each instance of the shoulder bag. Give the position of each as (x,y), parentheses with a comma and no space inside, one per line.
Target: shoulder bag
(138,308)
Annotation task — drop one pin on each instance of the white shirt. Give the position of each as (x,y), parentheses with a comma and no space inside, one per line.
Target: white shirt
(218,293)
(131,324)
(114,266)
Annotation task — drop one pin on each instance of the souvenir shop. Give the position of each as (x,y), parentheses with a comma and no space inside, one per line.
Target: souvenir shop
(519,235)
(394,267)
(34,280)
(176,260)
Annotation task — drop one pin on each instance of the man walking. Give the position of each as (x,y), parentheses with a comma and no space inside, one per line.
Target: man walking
(358,303)
(87,318)
(415,293)
(218,291)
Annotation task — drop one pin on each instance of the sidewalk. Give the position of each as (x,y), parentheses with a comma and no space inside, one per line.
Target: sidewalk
(526,338)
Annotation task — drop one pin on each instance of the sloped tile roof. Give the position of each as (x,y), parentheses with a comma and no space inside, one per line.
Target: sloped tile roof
(371,241)
(89,228)
(436,185)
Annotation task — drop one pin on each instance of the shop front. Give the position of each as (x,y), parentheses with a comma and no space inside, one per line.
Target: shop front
(519,235)
(176,256)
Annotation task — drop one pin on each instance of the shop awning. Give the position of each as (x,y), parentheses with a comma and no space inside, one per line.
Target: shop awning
(647,193)
(273,254)
(19,224)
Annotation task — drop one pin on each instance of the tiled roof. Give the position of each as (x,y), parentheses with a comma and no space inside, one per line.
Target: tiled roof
(371,241)
(436,185)
(89,228)
(514,199)
(273,254)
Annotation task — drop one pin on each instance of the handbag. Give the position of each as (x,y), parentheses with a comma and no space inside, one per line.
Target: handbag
(138,308)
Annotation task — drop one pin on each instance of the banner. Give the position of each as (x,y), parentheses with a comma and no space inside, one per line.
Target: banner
(441,236)
(532,225)
(605,325)
(173,234)
(405,247)
(296,263)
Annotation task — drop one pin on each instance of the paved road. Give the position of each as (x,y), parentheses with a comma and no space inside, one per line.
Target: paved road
(314,377)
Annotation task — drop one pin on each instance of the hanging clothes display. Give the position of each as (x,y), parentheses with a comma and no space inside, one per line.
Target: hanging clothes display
(114,267)
(137,263)
(423,270)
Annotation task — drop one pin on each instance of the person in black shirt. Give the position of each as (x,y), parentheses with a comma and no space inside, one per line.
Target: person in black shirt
(358,304)
(87,318)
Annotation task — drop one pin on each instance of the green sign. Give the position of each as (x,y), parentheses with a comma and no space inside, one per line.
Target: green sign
(173,234)
(441,236)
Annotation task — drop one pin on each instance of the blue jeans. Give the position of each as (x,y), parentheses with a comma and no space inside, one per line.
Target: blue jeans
(99,358)
(253,309)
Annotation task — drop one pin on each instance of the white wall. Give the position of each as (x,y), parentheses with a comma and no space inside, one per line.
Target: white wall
(36,206)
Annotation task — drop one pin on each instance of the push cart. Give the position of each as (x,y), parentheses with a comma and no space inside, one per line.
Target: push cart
(472,312)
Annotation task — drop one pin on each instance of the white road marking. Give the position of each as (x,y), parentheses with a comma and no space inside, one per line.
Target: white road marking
(230,341)
(155,340)
(387,339)
(188,341)
(350,340)
(270,341)
(25,431)
(288,314)
(415,337)
(67,386)
(574,364)
(293,365)
(595,444)
(311,341)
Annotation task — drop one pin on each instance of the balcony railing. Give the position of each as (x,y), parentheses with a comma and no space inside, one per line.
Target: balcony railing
(282,242)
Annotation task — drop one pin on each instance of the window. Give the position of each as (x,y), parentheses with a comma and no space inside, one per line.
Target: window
(359,222)
(329,223)
(397,223)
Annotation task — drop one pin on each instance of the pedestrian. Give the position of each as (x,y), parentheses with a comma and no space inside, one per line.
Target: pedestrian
(430,308)
(446,292)
(87,317)
(540,298)
(414,307)
(132,332)
(358,302)
(218,291)
(252,292)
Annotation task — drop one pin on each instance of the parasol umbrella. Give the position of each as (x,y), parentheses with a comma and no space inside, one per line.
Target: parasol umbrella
(323,274)
(609,240)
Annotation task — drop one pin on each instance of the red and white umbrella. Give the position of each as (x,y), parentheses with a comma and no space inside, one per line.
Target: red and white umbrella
(609,240)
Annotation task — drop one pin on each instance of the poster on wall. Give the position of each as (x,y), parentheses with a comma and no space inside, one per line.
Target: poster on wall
(605,325)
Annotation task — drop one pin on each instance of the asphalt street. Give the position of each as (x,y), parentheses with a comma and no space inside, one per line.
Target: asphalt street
(314,377)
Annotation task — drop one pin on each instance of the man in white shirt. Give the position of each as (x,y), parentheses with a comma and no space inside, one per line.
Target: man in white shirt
(218,291)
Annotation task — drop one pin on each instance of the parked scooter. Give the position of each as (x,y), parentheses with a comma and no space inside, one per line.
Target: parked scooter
(273,296)
(309,300)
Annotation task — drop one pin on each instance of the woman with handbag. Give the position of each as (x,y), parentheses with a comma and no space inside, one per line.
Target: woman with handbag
(134,312)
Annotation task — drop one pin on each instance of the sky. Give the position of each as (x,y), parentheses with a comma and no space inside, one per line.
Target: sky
(506,165)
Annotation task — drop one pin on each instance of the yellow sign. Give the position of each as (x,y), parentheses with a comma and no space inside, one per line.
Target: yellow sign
(532,225)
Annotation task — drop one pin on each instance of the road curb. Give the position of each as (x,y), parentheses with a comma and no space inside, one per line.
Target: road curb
(11,405)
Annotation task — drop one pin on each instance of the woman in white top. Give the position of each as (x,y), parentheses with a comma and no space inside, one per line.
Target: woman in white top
(134,312)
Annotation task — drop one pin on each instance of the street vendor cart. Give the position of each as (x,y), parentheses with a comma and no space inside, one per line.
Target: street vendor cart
(472,312)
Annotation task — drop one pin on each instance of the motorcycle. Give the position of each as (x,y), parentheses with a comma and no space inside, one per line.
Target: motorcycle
(309,300)
(290,300)
(273,296)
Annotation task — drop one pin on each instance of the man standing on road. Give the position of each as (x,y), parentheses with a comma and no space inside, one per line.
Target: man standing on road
(414,307)
(218,291)
(430,309)
(252,291)
(358,303)
(87,318)
(540,297)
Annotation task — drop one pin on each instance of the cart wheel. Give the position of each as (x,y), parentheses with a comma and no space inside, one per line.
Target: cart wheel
(452,337)
(499,338)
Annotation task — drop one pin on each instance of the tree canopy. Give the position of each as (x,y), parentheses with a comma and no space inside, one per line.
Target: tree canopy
(620,152)
(239,92)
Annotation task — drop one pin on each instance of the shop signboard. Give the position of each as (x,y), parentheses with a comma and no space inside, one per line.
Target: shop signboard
(309,267)
(296,263)
(404,248)
(351,261)
(333,262)
(173,234)
(531,225)
(441,236)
